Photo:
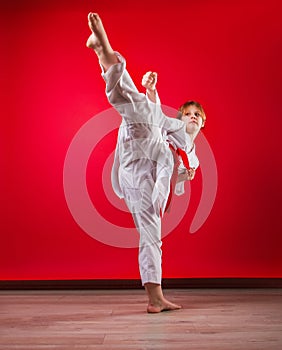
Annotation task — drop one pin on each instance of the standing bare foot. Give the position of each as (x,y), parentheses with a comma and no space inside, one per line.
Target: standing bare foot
(162,305)
(99,42)
(157,302)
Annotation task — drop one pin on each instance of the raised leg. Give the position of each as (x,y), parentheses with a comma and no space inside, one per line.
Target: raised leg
(99,42)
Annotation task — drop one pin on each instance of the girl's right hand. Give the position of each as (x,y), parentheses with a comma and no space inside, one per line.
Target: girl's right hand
(149,80)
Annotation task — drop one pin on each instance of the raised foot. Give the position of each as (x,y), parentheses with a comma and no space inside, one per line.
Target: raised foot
(98,39)
(91,42)
(163,306)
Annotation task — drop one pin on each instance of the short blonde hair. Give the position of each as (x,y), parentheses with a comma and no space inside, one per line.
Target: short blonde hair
(191,103)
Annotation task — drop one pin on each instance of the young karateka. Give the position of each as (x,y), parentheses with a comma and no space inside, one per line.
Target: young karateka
(145,156)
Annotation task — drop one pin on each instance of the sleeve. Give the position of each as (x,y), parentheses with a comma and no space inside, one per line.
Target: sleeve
(120,88)
(176,134)
(158,101)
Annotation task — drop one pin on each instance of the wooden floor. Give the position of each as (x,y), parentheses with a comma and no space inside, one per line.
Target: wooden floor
(116,319)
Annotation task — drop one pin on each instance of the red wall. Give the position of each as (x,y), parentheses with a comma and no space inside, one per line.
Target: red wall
(225,54)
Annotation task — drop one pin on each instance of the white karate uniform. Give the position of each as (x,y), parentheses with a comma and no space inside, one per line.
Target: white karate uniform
(143,162)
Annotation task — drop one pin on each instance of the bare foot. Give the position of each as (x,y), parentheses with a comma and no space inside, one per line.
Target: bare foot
(162,305)
(157,301)
(98,40)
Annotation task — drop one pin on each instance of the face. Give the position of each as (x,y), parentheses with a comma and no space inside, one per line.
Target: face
(192,117)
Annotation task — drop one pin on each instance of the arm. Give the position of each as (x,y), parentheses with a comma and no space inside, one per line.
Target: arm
(149,82)
(182,177)
(186,174)
(188,171)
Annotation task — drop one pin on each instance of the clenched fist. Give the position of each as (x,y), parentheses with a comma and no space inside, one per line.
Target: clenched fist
(149,80)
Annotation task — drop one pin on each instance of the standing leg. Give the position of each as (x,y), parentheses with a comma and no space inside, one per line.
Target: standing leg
(99,42)
(150,257)
(146,215)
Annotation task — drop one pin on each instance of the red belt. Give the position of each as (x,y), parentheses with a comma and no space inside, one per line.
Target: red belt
(176,153)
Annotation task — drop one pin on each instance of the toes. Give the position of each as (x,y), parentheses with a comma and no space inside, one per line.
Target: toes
(93,21)
(171,307)
(93,16)
(90,18)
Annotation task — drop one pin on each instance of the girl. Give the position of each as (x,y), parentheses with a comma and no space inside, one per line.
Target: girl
(144,161)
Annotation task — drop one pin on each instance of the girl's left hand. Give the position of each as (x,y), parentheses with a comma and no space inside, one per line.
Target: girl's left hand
(191,173)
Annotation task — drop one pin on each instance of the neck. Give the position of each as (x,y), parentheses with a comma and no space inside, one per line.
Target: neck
(192,137)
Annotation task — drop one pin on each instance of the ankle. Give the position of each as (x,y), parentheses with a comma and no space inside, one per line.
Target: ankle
(157,302)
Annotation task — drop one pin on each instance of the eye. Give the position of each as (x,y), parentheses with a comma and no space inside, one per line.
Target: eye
(187,113)
(197,114)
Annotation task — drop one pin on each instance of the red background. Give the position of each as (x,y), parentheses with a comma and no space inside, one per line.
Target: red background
(225,54)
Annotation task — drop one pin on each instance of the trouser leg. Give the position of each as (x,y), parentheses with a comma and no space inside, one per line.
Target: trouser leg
(150,253)
(146,215)
(123,95)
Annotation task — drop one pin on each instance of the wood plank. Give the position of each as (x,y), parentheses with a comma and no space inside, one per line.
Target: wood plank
(116,319)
